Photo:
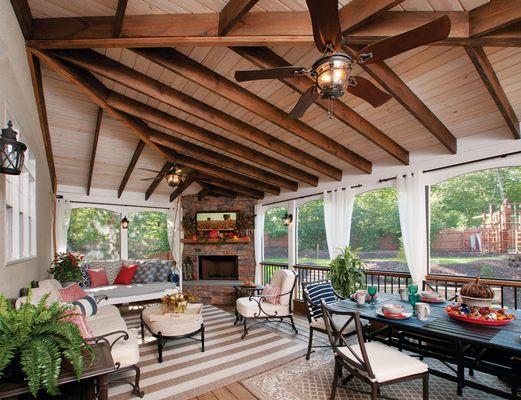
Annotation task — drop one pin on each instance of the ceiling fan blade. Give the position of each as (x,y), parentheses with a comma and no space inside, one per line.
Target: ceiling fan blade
(366,90)
(326,24)
(430,32)
(272,73)
(151,170)
(150,179)
(305,101)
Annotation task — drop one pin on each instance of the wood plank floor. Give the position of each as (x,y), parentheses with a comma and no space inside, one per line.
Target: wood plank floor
(236,391)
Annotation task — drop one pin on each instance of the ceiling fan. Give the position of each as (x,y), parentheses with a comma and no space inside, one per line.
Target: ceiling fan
(332,72)
(173,177)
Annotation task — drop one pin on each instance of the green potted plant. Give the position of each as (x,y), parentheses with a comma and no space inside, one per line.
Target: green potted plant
(347,272)
(66,267)
(35,340)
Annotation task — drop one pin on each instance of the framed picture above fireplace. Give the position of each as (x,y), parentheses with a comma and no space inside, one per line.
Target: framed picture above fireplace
(220,221)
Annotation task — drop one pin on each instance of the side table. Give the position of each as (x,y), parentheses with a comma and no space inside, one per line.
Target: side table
(245,291)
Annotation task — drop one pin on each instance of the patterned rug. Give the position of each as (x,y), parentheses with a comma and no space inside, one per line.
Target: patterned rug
(311,380)
(186,372)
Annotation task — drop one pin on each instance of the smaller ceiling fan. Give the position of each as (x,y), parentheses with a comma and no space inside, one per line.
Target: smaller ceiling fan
(173,177)
(332,72)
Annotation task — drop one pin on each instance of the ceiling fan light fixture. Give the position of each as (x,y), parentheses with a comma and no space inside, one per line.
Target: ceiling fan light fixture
(331,74)
(174,177)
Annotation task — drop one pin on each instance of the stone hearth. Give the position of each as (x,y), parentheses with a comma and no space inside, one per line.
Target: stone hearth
(223,293)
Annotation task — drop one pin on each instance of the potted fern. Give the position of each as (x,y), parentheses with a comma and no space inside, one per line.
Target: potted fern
(35,340)
(347,272)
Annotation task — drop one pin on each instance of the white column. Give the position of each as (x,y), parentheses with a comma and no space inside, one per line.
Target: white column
(292,235)
(124,242)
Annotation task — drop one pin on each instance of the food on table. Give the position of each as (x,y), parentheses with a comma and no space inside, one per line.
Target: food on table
(480,313)
(477,290)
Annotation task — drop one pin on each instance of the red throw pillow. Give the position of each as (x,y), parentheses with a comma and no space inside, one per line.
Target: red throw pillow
(71,293)
(79,320)
(126,274)
(98,277)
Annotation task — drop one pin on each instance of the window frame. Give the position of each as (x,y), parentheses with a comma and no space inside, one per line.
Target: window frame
(265,209)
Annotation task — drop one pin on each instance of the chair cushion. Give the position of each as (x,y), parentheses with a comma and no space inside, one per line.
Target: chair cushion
(250,308)
(50,284)
(98,277)
(125,275)
(316,292)
(284,279)
(37,294)
(108,311)
(386,362)
(339,321)
(126,352)
(71,293)
(87,306)
(272,294)
(104,326)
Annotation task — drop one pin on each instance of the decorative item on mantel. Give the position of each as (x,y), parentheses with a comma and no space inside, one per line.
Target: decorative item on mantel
(207,233)
(12,152)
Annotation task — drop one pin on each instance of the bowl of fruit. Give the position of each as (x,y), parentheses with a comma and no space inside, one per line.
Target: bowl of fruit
(476,294)
(479,315)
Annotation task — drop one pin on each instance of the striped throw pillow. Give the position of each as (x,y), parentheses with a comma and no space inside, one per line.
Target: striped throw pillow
(316,292)
(87,306)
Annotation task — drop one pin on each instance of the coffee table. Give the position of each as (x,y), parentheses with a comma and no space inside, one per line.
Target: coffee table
(171,326)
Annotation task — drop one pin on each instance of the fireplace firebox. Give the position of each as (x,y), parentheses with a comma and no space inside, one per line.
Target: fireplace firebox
(219,267)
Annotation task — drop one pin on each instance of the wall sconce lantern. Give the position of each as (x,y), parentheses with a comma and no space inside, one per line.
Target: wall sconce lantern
(11,152)
(124,223)
(287,219)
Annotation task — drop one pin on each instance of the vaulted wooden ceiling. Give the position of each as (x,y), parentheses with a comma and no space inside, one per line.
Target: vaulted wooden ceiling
(124,85)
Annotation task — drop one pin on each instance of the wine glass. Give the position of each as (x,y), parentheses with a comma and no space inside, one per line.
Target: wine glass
(371,290)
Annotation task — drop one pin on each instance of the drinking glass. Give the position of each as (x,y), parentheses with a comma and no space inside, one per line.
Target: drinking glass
(371,290)
(413,296)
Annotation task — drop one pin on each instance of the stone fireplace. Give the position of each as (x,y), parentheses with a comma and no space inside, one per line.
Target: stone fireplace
(218,267)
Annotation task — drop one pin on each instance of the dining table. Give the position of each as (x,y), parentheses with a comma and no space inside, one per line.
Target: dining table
(495,350)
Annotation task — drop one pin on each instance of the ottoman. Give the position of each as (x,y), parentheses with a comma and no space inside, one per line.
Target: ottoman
(170,326)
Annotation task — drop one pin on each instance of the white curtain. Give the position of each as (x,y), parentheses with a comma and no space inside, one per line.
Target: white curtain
(63,218)
(174,217)
(338,212)
(259,233)
(412,208)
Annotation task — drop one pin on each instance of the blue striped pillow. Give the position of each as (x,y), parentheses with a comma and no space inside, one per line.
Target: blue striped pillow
(316,292)
(87,306)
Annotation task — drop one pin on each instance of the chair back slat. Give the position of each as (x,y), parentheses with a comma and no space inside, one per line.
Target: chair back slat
(337,339)
(314,293)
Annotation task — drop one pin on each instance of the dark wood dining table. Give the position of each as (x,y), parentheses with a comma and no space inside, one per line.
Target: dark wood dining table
(502,342)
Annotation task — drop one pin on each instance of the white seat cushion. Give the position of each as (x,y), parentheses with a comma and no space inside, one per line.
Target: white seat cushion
(50,284)
(126,352)
(386,362)
(339,321)
(103,326)
(108,311)
(250,308)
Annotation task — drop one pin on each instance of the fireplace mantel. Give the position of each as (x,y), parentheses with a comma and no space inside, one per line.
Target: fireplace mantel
(216,241)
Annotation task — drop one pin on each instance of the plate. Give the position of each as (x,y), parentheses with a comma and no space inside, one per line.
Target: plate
(405,315)
(430,300)
(475,321)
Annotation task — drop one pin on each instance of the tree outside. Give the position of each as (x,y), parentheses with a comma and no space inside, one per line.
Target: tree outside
(275,236)
(147,235)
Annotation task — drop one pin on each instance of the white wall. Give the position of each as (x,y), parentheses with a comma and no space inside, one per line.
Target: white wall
(16,91)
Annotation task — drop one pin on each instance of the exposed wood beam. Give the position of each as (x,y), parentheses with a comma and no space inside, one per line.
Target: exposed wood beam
(135,157)
(179,63)
(386,77)
(217,190)
(202,194)
(232,12)
(99,119)
(120,14)
(182,187)
(97,92)
(266,58)
(113,70)
(192,131)
(36,76)
(216,158)
(494,15)
(358,12)
(255,29)
(255,194)
(488,76)
(23,15)
(155,183)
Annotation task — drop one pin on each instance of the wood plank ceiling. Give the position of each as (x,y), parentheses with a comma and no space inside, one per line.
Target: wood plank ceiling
(136,106)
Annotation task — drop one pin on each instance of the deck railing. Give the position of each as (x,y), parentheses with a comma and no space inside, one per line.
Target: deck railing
(508,292)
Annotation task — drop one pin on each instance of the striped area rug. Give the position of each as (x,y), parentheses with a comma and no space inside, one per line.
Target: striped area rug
(186,372)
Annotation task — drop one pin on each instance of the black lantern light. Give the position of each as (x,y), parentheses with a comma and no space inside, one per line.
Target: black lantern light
(174,177)
(124,223)
(11,152)
(287,219)
(331,74)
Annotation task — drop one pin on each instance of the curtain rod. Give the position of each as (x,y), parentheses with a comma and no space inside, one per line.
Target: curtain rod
(393,177)
(112,204)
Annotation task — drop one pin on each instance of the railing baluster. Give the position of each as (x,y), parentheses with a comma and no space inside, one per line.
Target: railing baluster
(502,296)
(515,298)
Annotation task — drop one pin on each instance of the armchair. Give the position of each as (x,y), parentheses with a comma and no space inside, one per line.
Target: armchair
(259,309)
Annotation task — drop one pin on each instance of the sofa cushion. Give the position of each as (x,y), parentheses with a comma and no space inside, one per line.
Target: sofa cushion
(50,284)
(126,352)
(71,293)
(111,267)
(162,271)
(37,294)
(85,280)
(129,291)
(104,326)
(87,305)
(146,272)
(98,277)
(125,275)
(250,308)
(108,311)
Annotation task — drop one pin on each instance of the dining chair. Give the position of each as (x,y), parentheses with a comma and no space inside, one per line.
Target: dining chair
(314,293)
(374,362)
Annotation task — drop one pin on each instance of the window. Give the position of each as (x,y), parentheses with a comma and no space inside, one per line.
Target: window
(311,234)
(375,229)
(275,236)
(21,210)
(475,224)
(148,236)
(95,233)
